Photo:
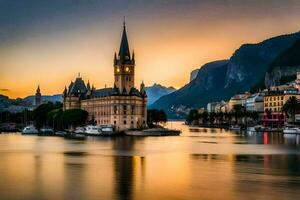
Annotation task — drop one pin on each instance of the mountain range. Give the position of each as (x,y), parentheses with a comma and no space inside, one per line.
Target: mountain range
(154,92)
(245,70)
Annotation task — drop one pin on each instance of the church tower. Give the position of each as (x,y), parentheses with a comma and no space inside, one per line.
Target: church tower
(124,65)
(38,97)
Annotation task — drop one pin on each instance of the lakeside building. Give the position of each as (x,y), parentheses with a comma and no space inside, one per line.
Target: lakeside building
(122,105)
(239,99)
(296,83)
(275,99)
(217,107)
(211,106)
(255,102)
(273,102)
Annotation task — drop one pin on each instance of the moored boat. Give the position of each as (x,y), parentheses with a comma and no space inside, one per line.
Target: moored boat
(107,129)
(291,129)
(60,133)
(92,130)
(30,130)
(46,131)
(80,130)
(235,128)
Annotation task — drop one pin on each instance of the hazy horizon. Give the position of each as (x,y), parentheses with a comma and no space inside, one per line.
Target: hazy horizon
(49,42)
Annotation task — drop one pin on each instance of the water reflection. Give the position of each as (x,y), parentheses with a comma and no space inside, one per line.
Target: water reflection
(126,168)
(202,164)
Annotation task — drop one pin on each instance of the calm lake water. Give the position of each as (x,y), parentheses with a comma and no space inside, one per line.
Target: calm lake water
(199,164)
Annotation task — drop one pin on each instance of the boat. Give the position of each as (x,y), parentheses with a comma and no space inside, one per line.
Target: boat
(30,130)
(92,130)
(60,133)
(235,128)
(107,129)
(80,130)
(46,131)
(257,128)
(251,129)
(291,129)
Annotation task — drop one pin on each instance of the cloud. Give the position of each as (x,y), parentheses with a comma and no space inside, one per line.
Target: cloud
(4,90)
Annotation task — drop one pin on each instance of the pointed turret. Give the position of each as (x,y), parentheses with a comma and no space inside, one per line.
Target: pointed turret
(115,58)
(142,89)
(88,85)
(116,90)
(65,93)
(133,57)
(38,89)
(38,96)
(124,53)
(124,92)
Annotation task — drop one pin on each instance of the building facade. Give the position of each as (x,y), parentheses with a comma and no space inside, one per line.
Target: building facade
(255,102)
(239,99)
(274,100)
(123,105)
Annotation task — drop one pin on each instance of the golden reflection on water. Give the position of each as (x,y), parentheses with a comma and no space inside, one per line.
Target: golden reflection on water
(207,164)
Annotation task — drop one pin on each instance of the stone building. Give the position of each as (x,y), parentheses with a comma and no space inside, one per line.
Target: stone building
(122,105)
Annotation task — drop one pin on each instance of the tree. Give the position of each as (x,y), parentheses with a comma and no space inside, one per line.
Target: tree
(212,117)
(292,106)
(238,112)
(204,117)
(192,116)
(54,118)
(155,116)
(74,117)
(219,117)
(41,112)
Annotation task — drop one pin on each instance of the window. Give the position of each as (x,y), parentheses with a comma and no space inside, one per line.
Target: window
(124,121)
(115,109)
(131,122)
(115,122)
(125,109)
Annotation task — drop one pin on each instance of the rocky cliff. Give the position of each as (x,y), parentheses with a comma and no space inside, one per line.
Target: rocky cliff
(285,66)
(221,79)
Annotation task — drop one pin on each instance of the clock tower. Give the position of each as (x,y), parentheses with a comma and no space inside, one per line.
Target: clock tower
(124,65)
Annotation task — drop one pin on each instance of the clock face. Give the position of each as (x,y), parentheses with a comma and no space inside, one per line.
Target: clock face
(127,69)
(118,69)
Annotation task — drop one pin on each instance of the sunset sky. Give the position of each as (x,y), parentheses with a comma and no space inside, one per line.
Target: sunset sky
(48,42)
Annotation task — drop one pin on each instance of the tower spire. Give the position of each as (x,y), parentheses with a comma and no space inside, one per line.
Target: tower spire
(124,53)
(38,89)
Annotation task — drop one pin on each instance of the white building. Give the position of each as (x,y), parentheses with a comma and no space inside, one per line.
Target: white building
(255,102)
